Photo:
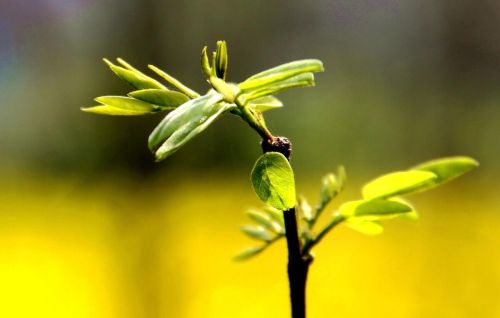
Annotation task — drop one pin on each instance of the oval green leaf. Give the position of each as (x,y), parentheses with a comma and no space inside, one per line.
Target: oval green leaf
(184,123)
(398,183)
(273,181)
(374,208)
(447,169)
(161,97)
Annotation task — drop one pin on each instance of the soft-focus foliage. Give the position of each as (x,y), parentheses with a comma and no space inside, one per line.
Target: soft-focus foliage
(112,248)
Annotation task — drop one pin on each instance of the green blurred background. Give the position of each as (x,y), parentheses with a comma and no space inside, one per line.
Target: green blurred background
(90,226)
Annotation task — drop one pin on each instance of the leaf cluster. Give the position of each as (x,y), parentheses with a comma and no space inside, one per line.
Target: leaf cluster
(381,198)
(191,113)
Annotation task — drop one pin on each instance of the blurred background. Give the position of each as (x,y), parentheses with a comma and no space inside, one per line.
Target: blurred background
(90,226)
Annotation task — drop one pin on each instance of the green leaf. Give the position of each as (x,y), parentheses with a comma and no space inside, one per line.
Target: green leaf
(184,123)
(410,216)
(365,227)
(121,106)
(266,103)
(273,181)
(300,80)
(134,77)
(257,232)
(398,183)
(266,221)
(289,69)
(161,97)
(375,207)
(447,169)
(176,83)
(249,252)
(113,111)
(205,65)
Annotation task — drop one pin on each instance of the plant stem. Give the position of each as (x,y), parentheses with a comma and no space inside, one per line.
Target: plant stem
(299,260)
(298,265)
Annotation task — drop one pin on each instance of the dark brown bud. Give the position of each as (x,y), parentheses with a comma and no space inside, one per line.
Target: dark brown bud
(278,144)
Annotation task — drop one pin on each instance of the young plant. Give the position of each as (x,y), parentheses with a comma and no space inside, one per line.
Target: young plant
(283,215)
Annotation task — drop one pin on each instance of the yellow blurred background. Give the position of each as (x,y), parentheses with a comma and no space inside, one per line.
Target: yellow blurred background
(91,227)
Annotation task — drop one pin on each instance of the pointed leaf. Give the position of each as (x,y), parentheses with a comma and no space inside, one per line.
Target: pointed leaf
(161,97)
(273,181)
(124,102)
(113,111)
(295,67)
(184,123)
(398,183)
(410,216)
(300,80)
(134,77)
(447,169)
(249,252)
(175,82)
(376,207)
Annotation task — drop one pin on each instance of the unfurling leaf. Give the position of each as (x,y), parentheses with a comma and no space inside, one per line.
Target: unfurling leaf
(221,60)
(205,64)
(134,77)
(184,123)
(398,183)
(257,232)
(365,227)
(249,252)
(447,169)
(121,106)
(374,209)
(273,181)
(161,97)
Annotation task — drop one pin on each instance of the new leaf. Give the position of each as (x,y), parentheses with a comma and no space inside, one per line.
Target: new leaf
(184,123)
(273,181)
